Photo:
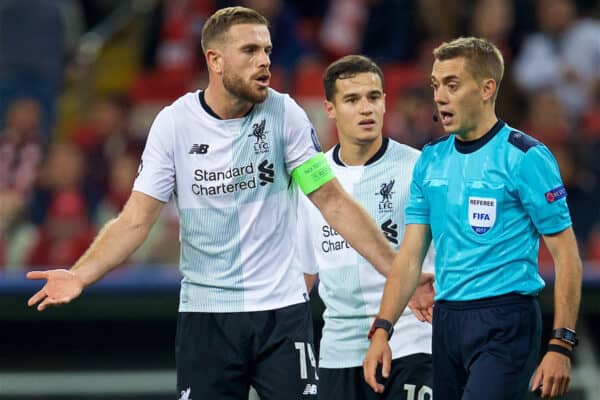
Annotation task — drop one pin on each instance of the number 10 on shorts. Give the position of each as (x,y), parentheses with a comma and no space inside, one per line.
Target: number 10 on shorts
(303,349)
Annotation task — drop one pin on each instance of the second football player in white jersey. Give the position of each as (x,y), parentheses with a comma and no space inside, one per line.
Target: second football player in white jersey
(377,172)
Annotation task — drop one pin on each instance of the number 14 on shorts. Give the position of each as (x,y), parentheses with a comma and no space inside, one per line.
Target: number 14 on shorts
(305,349)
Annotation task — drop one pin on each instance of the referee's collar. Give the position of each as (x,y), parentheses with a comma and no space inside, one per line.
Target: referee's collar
(376,156)
(474,145)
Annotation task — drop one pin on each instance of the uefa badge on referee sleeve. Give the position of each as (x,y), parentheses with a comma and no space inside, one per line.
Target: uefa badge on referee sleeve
(482,214)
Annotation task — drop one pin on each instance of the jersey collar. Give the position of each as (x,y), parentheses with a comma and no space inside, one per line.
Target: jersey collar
(209,110)
(376,156)
(472,146)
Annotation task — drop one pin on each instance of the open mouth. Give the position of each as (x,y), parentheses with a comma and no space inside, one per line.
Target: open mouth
(446,117)
(263,80)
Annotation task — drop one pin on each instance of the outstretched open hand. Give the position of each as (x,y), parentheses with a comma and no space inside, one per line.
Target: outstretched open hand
(61,287)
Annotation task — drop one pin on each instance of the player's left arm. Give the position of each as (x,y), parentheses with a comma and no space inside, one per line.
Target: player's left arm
(544,197)
(568,276)
(554,372)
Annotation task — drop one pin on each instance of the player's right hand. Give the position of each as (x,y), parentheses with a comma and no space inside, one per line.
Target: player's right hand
(61,287)
(379,353)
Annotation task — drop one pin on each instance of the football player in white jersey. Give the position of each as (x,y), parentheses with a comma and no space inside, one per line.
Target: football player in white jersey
(377,172)
(227,155)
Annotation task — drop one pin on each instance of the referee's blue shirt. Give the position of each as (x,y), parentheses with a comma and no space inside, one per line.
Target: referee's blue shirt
(487,201)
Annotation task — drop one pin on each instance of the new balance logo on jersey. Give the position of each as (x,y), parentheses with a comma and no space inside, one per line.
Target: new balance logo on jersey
(266,172)
(385,191)
(390,230)
(259,133)
(199,149)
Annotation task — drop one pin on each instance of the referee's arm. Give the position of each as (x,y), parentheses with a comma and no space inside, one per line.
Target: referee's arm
(354,224)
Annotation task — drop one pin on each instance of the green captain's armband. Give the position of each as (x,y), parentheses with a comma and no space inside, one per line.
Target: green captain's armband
(313,173)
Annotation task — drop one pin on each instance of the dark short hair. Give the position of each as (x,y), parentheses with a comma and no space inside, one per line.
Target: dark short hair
(219,23)
(347,67)
(484,60)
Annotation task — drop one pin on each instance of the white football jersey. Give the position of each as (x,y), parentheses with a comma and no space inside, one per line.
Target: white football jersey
(350,287)
(231,182)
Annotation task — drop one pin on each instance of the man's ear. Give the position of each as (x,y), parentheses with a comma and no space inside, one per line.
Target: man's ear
(488,89)
(330,109)
(214,61)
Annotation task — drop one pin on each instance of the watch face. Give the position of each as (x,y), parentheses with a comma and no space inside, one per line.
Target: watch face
(565,335)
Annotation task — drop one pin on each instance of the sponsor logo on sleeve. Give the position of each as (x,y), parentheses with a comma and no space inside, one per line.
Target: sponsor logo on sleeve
(556,194)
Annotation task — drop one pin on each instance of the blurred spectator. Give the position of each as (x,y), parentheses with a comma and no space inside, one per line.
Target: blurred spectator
(20,147)
(343,27)
(32,50)
(20,159)
(410,118)
(62,171)
(546,120)
(390,31)
(173,35)
(563,56)
(123,171)
(102,139)
(66,233)
(494,20)
(440,20)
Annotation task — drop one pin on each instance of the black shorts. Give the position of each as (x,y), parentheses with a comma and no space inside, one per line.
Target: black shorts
(219,355)
(410,379)
(485,349)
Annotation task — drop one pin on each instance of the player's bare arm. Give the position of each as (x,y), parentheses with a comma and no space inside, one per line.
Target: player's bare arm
(401,282)
(356,226)
(118,239)
(555,369)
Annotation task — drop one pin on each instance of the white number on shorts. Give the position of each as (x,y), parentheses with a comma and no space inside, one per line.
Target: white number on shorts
(302,347)
(424,393)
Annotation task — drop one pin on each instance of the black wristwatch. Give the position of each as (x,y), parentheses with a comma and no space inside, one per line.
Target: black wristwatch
(565,335)
(380,323)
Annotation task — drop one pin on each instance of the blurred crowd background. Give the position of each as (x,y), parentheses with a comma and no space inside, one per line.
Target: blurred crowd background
(81,81)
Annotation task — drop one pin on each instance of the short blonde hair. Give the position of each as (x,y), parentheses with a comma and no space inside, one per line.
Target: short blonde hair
(220,22)
(484,60)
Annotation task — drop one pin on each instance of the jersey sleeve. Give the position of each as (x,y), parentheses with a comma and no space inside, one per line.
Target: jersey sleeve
(542,192)
(304,246)
(301,138)
(417,207)
(156,174)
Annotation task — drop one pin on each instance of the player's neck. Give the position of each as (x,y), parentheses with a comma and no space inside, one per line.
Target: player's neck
(225,105)
(352,153)
(481,127)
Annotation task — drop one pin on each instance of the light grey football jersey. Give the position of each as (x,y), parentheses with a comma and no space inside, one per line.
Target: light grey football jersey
(236,202)
(350,287)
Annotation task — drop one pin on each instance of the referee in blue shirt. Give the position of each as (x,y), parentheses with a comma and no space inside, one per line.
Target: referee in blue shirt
(485,194)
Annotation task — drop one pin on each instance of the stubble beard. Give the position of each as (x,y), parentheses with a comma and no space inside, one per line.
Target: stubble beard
(235,85)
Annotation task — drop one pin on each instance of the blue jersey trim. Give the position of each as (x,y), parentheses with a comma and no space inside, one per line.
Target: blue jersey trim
(522,141)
